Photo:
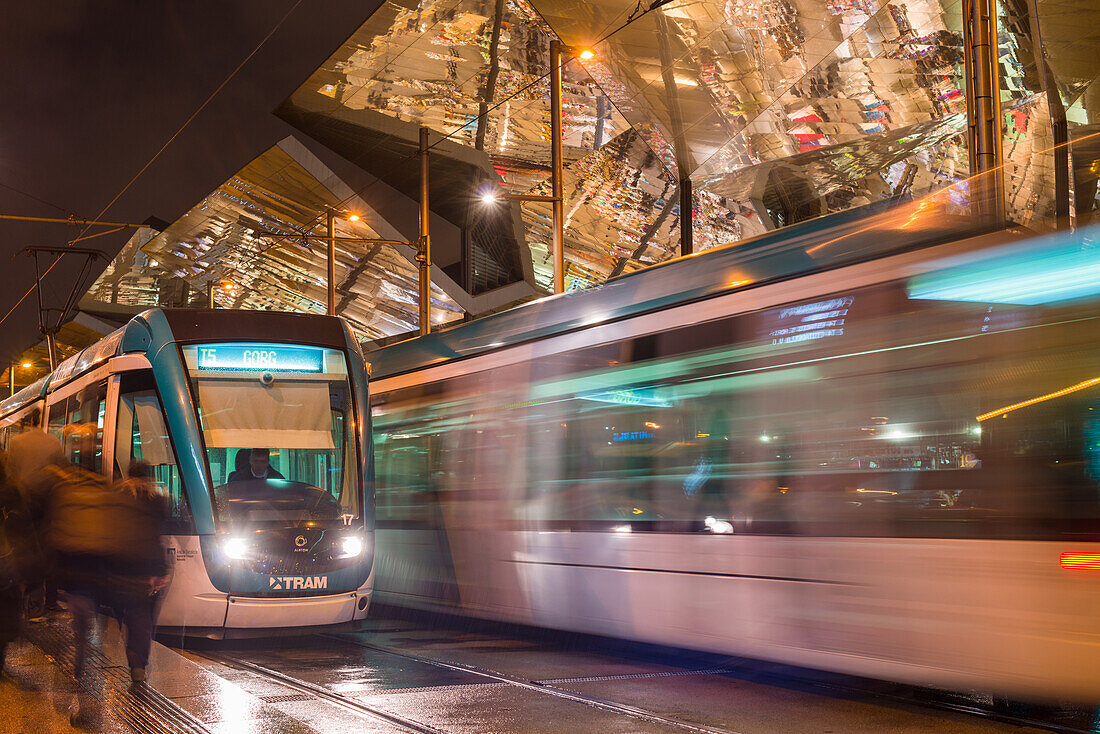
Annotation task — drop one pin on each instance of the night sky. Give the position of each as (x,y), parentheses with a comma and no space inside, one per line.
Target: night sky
(91,91)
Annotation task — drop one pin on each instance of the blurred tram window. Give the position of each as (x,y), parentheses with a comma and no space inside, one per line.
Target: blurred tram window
(142,435)
(58,416)
(403,476)
(82,431)
(861,413)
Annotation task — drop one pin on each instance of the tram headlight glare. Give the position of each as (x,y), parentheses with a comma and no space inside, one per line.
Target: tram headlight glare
(235,548)
(351,547)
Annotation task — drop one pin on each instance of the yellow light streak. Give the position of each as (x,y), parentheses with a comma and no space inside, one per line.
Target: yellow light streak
(1041,398)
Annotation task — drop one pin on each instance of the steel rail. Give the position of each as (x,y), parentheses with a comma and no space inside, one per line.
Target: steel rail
(349,704)
(540,687)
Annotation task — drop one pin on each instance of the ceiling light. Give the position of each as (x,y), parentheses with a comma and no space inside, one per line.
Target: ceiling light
(353,218)
(586,54)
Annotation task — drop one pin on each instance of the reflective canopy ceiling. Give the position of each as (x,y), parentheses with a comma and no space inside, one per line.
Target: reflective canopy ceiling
(255,240)
(776,111)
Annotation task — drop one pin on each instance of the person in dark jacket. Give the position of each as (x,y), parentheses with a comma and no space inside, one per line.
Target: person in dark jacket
(19,559)
(137,577)
(28,463)
(107,543)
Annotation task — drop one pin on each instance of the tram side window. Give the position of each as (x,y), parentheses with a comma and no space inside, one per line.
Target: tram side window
(141,435)
(30,421)
(404,476)
(82,434)
(58,417)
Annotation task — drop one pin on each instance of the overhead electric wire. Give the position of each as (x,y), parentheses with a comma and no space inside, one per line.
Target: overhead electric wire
(156,155)
(32,197)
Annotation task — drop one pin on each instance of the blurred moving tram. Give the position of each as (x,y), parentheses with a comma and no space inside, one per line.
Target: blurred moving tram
(864,445)
(255,426)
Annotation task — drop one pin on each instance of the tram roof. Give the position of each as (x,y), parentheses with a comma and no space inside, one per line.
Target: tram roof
(185,325)
(842,238)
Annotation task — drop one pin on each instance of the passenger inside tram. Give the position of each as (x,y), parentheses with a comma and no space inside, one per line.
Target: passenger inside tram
(258,466)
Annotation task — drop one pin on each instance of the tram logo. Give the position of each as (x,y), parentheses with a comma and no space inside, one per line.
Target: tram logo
(300,541)
(293,583)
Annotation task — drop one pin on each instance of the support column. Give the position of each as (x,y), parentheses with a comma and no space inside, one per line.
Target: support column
(557,220)
(983,109)
(687,218)
(11,379)
(331,218)
(210,303)
(424,248)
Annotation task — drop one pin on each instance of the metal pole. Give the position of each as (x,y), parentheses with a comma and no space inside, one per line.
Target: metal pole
(331,217)
(557,225)
(51,348)
(424,251)
(11,379)
(1058,123)
(984,107)
(687,218)
(210,296)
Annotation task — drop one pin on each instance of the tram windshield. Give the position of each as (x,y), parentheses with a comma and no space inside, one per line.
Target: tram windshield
(277,421)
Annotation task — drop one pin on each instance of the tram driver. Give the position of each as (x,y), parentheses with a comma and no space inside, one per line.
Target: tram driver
(259,467)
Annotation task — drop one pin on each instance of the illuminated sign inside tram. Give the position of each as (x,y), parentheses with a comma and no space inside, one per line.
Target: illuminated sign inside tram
(261,357)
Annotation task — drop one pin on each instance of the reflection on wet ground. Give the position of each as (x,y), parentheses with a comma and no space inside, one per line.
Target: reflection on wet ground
(435,674)
(36,695)
(462,676)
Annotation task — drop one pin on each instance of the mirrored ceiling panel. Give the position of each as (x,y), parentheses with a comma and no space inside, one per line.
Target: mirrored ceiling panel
(472,70)
(855,100)
(256,240)
(776,111)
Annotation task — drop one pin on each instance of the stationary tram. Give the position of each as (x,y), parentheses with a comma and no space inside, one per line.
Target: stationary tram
(869,445)
(255,425)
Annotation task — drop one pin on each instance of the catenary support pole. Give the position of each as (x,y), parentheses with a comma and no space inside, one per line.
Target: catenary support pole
(424,249)
(51,349)
(557,224)
(331,240)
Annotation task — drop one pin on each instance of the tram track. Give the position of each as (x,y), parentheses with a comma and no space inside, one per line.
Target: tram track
(320,693)
(551,688)
(824,688)
(540,687)
(492,677)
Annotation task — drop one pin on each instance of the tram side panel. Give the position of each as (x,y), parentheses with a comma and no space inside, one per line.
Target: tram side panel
(816,482)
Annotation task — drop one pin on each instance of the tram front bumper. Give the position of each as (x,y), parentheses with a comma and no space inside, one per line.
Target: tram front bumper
(274,612)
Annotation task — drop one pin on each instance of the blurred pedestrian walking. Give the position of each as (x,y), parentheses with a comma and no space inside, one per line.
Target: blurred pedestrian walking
(28,463)
(107,541)
(138,577)
(20,556)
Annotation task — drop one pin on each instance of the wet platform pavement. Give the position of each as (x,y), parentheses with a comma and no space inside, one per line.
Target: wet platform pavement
(460,678)
(432,675)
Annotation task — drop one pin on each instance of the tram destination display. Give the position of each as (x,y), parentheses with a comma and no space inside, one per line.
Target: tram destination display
(266,357)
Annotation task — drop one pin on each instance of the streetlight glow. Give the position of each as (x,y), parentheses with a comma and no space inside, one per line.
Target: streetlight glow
(353,218)
(489,197)
(586,54)
(27,365)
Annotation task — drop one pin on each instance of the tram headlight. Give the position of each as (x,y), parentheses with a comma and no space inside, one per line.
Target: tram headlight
(350,547)
(235,548)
